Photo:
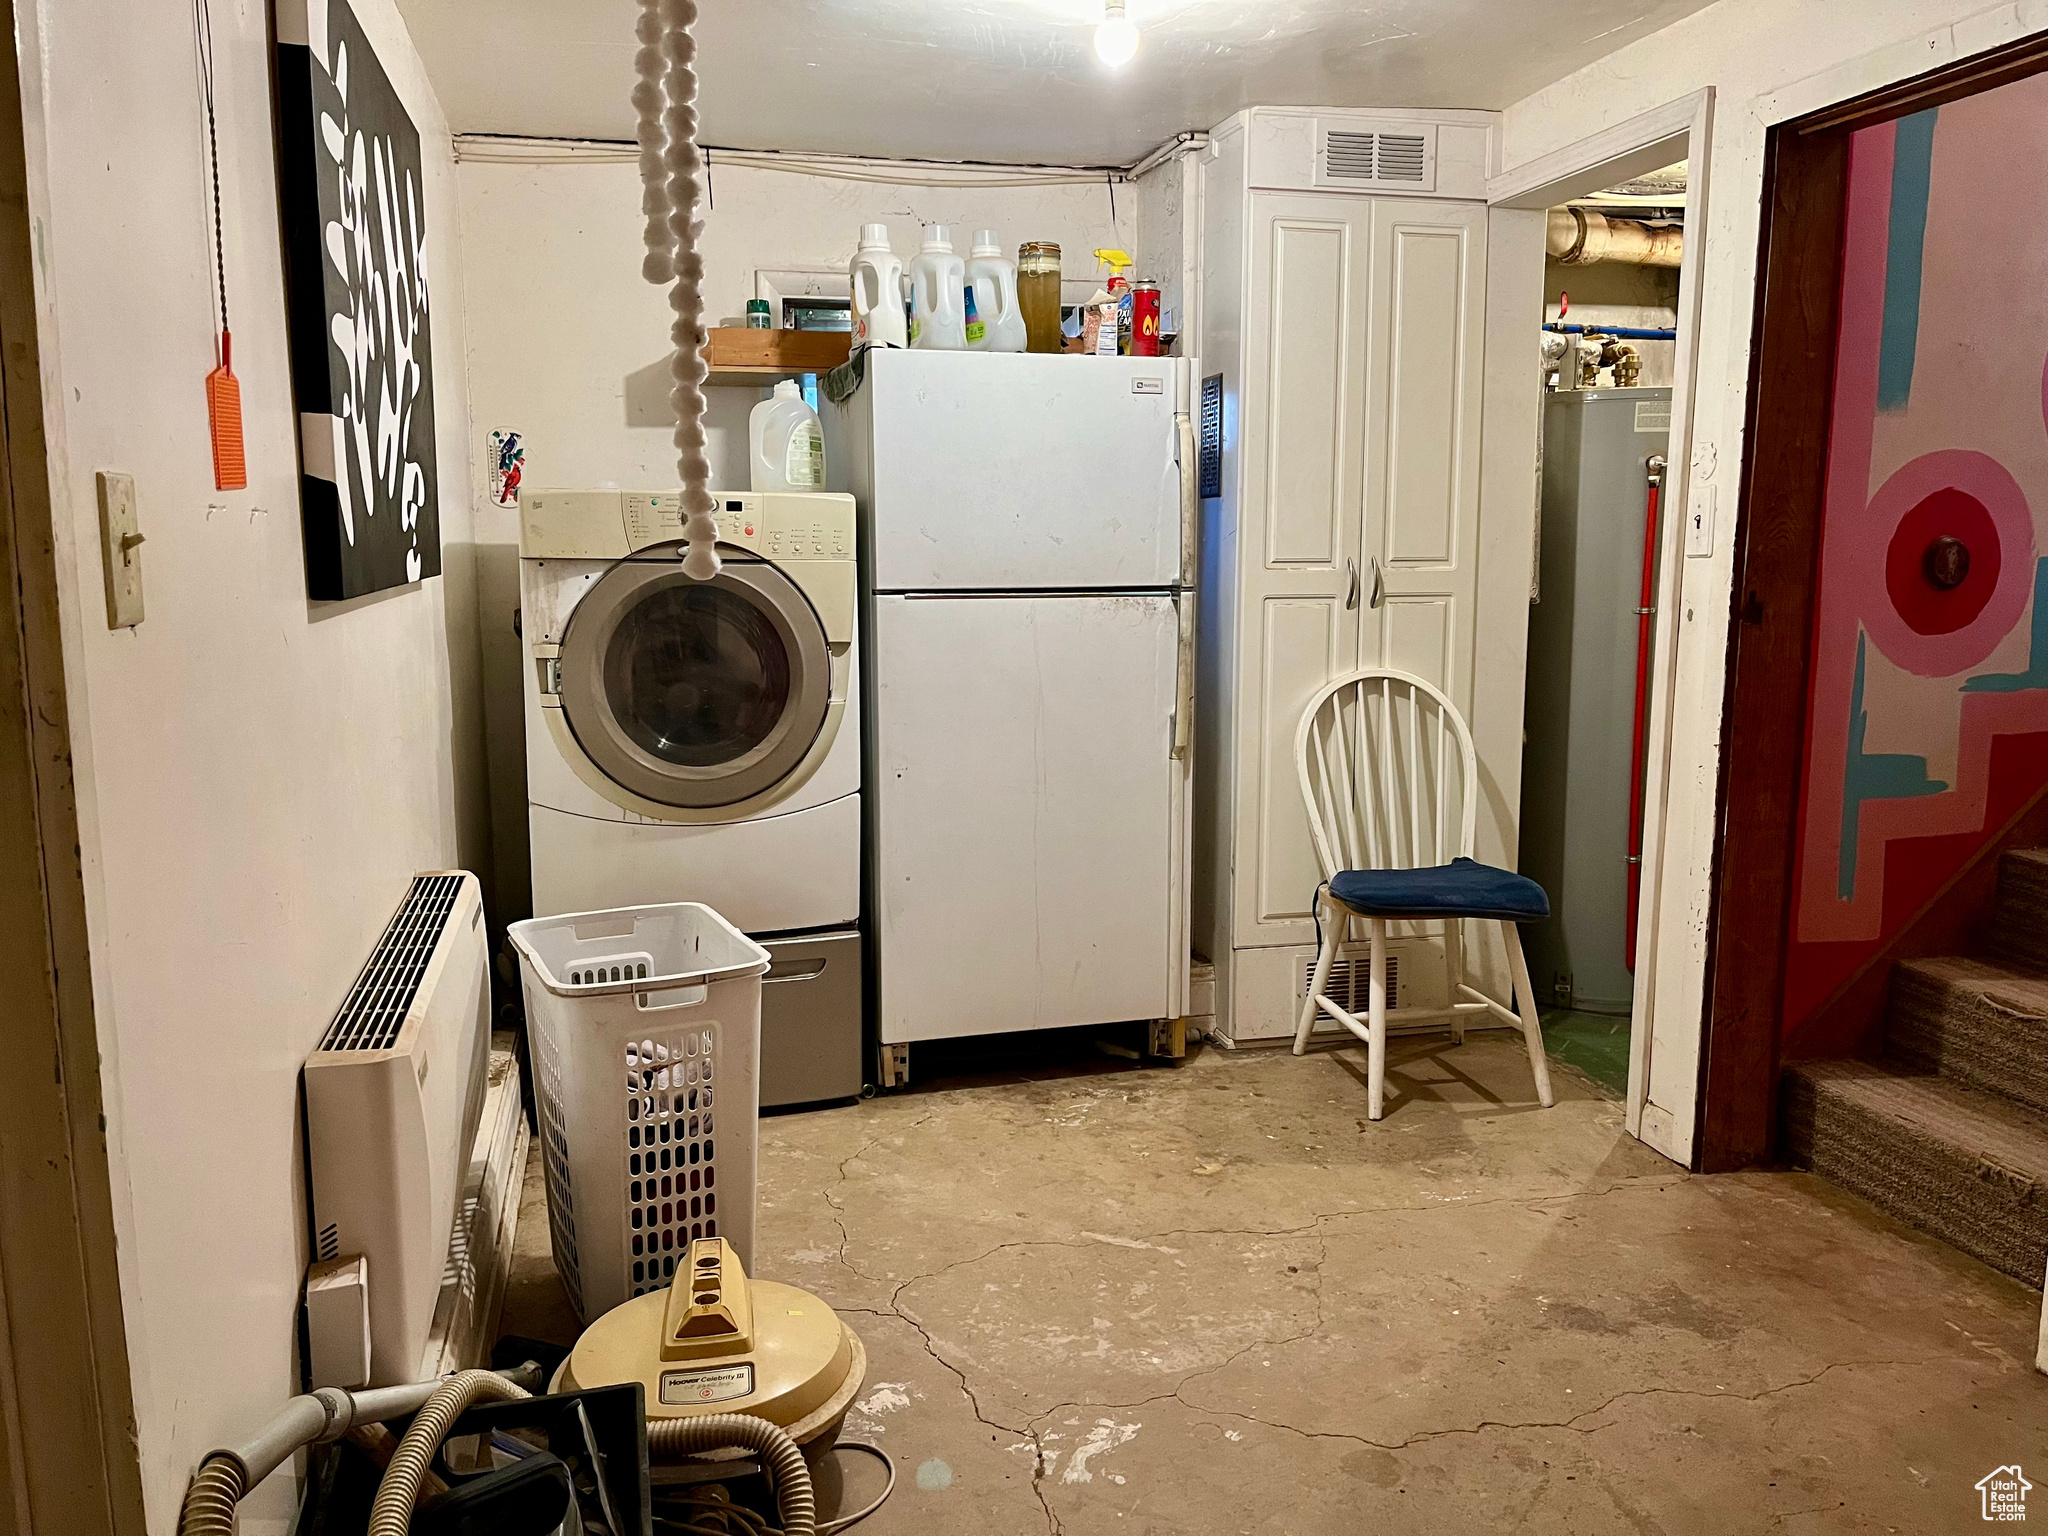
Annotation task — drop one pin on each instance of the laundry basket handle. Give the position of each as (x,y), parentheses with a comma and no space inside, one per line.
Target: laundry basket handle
(676,997)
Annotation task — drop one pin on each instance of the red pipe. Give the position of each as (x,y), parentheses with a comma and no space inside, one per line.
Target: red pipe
(1645,613)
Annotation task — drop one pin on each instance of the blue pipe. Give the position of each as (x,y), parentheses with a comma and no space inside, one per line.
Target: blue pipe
(1623,332)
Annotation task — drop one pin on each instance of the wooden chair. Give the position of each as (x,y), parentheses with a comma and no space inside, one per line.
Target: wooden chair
(1389,777)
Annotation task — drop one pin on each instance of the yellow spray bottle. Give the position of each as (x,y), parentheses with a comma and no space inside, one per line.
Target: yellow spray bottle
(1113,302)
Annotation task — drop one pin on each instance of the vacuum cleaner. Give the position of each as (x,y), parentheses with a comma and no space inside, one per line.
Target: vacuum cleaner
(732,1376)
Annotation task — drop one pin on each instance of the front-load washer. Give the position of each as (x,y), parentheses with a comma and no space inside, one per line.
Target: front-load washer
(700,740)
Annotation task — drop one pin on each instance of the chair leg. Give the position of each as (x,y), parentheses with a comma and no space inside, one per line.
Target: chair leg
(1454,951)
(1335,921)
(1376,1023)
(1525,1008)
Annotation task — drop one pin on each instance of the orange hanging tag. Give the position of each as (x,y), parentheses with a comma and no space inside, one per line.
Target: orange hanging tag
(224,414)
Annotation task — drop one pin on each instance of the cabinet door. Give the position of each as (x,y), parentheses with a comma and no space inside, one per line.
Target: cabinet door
(1421,528)
(1303,441)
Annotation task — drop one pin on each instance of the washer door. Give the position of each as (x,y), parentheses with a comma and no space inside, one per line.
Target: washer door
(695,693)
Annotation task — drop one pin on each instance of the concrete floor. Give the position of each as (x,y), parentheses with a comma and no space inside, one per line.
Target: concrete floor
(1596,1043)
(1214,1298)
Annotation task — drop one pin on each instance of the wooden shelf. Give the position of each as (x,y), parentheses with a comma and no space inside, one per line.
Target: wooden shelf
(743,357)
(757,378)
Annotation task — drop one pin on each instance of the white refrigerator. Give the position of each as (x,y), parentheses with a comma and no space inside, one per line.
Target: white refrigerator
(1027,570)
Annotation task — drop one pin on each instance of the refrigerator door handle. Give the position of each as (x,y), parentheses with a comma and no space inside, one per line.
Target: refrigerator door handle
(1184,679)
(1188,459)
(1190,513)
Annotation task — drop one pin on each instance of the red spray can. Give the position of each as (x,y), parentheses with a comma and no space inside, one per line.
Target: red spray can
(1144,318)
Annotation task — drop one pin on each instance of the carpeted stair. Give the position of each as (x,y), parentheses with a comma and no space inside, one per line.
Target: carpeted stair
(1949,1129)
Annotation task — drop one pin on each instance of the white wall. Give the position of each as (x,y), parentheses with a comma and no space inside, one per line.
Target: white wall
(1768,61)
(258,776)
(568,345)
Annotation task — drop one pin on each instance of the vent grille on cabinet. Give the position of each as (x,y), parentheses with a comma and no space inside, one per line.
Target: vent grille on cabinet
(1209,461)
(1350,984)
(1349,156)
(1356,158)
(374,1012)
(1401,157)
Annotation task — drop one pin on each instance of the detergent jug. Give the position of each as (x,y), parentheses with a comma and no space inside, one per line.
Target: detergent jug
(876,273)
(992,285)
(938,303)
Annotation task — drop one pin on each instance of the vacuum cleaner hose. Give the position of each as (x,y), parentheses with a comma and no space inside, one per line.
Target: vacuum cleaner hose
(391,1515)
(210,1501)
(717,1431)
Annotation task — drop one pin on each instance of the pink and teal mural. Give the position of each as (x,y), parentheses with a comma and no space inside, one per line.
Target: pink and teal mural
(1927,713)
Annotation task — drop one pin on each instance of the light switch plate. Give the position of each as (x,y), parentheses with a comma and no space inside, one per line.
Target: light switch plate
(120,549)
(1699,523)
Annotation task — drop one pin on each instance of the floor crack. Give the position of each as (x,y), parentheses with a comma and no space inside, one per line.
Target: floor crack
(1571,1423)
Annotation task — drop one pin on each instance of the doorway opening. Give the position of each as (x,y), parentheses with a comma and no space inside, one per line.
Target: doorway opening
(1883,789)
(1609,348)
(1612,289)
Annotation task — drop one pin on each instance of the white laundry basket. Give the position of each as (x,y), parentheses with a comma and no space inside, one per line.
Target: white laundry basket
(645,1024)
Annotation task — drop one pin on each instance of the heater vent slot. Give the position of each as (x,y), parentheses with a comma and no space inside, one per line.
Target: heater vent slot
(376,1008)
(329,1245)
(671,1163)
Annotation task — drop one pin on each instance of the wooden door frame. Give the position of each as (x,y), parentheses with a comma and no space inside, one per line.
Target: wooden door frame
(1679,130)
(1776,562)
(68,1461)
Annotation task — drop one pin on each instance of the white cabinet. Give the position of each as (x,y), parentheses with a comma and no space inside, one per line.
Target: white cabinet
(1347,329)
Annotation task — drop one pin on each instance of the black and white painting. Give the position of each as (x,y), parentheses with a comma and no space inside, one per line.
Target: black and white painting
(362,356)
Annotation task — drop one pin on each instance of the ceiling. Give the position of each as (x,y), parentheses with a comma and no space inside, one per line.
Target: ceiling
(1007,80)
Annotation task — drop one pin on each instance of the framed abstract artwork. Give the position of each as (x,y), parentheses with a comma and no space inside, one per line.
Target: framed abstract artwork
(362,363)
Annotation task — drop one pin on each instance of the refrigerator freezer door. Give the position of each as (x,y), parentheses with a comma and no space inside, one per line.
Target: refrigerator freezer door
(1007,471)
(1031,818)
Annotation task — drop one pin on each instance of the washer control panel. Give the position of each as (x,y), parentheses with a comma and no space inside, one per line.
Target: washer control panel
(609,524)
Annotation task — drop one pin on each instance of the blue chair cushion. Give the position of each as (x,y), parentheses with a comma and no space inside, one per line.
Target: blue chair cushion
(1461,888)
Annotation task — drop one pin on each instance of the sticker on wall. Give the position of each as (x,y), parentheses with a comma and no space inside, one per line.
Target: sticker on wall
(355,228)
(507,452)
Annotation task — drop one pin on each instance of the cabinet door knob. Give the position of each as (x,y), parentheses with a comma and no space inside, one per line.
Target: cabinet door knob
(1351,590)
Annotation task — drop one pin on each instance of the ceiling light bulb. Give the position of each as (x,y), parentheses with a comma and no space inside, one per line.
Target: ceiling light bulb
(1116,39)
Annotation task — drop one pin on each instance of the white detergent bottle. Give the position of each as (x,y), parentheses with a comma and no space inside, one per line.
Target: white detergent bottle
(992,279)
(938,302)
(787,443)
(877,277)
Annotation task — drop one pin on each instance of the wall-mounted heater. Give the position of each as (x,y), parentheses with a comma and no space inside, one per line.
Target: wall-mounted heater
(393,1095)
